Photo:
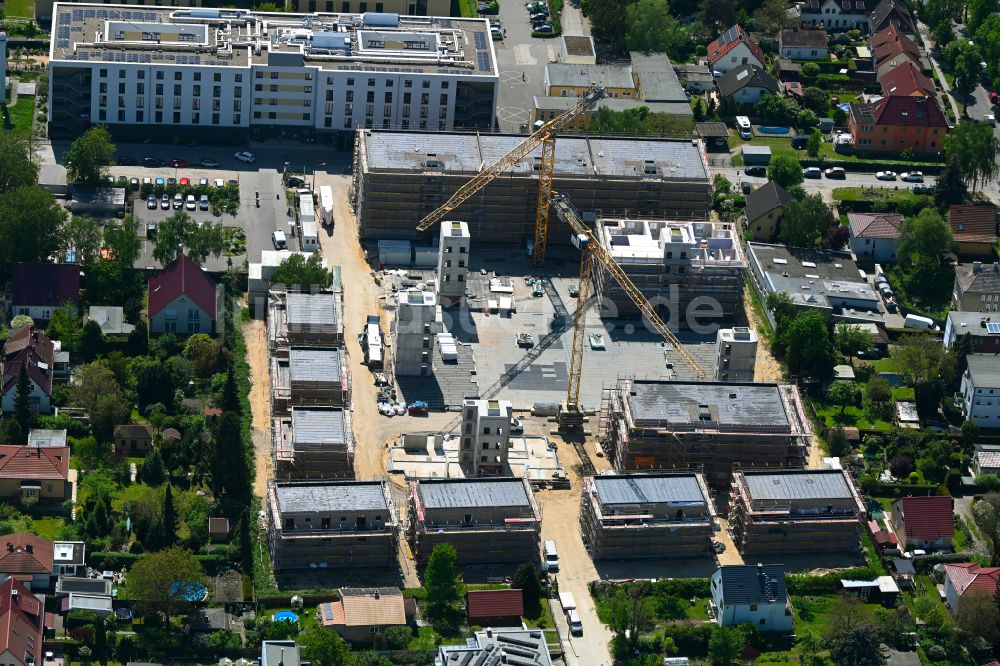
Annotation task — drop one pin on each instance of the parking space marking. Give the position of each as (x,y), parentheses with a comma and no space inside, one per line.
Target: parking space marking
(513,114)
(515,78)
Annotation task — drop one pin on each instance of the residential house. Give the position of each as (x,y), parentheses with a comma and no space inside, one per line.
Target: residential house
(896,123)
(111,319)
(836,15)
(28,558)
(733,48)
(494,608)
(907,79)
(980,390)
(22,621)
(184,299)
(977,289)
(279,653)
(889,13)
(763,210)
(753,594)
(695,77)
(28,347)
(68,558)
(927,523)
(746,84)
(874,236)
(39,288)
(974,229)
(893,46)
(133,439)
(43,474)
(360,613)
(965,579)
(986,459)
(982,330)
(796,44)
(40,437)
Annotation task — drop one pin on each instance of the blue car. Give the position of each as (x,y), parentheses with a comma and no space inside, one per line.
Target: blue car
(159,182)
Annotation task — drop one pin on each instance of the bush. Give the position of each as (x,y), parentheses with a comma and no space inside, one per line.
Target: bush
(398,637)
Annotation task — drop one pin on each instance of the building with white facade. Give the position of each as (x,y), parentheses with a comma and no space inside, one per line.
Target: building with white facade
(980,390)
(735,354)
(418,321)
(486,435)
(754,594)
(453,261)
(232,73)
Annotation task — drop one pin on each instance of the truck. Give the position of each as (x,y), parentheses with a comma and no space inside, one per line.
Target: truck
(568,604)
(567,601)
(372,342)
(326,205)
(918,322)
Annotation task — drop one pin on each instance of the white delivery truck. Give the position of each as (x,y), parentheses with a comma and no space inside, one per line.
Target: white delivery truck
(326,205)
(567,601)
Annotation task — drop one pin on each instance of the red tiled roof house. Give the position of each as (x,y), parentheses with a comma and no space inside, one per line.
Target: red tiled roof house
(183,299)
(360,613)
(495,608)
(897,123)
(733,48)
(28,347)
(40,288)
(875,236)
(966,579)
(974,229)
(42,473)
(28,558)
(22,618)
(927,523)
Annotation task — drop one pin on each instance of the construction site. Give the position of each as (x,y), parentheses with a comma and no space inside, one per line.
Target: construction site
(637,516)
(708,426)
(795,511)
(314,443)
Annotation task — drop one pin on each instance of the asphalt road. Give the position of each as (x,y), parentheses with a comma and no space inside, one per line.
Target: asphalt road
(823,186)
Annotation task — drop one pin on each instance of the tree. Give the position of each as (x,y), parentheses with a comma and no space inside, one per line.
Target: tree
(606,21)
(857,645)
(228,464)
(442,582)
(652,28)
(979,12)
(122,238)
(88,156)
(301,273)
(807,345)
(920,358)
(23,414)
(179,231)
(206,354)
(782,307)
(978,614)
(785,170)
(815,143)
(843,394)
(161,582)
(322,647)
(638,121)
(726,645)
(777,110)
(804,222)
(30,225)
(772,17)
(98,392)
(628,612)
(153,384)
(966,66)
(20,321)
(230,401)
(169,524)
(17,169)
(950,188)
(989,30)
(851,340)
(153,471)
(65,327)
(986,514)
(526,579)
(83,234)
(91,343)
(975,147)
(878,398)
(718,14)
(809,645)
(926,234)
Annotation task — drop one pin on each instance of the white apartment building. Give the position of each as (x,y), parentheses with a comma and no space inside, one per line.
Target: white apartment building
(486,435)
(980,390)
(233,73)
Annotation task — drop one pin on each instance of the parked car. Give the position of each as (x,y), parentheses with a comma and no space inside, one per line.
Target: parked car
(171,181)
(160,182)
(913,177)
(124,160)
(203,182)
(746,187)
(133,183)
(185,181)
(756,171)
(836,172)
(295,181)
(152,162)
(812,172)
(147,181)
(886,175)
(244,156)
(178,164)
(190,203)
(993,97)
(203,202)
(178,201)
(151,202)
(219,182)
(544,27)
(165,201)
(923,189)
(991,119)
(210,163)
(516,427)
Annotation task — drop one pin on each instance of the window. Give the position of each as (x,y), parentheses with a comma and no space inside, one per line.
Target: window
(239,79)
(103,88)
(103,74)
(159,76)
(350,95)
(121,73)
(178,76)
(121,88)
(121,115)
(425,85)
(444,85)
(486,431)
(388,98)
(444,99)
(350,82)
(371,82)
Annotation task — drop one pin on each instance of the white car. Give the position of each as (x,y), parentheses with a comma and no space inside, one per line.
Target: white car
(886,175)
(912,177)
(190,203)
(209,162)
(516,427)
(991,119)
(245,156)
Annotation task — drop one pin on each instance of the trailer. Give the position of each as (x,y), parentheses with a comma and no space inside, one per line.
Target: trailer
(372,342)
(326,205)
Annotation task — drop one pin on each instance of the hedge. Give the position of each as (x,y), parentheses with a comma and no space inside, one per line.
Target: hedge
(115,561)
(896,490)
(923,563)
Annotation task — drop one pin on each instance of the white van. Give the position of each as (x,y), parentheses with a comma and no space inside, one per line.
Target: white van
(278,238)
(918,322)
(575,626)
(551,555)
(743,126)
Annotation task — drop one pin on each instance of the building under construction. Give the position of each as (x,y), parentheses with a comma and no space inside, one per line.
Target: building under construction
(646,515)
(486,520)
(308,376)
(399,177)
(314,443)
(686,270)
(795,511)
(667,425)
(305,319)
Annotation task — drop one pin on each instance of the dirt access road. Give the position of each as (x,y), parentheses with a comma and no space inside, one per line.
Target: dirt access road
(255,335)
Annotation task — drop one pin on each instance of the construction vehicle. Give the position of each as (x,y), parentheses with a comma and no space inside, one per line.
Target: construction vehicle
(544,136)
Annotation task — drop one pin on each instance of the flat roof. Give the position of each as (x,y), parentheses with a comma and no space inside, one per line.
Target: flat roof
(330,496)
(575,156)
(241,38)
(984,370)
(686,404)
(810,276)
(649,489)
(657,79)
(797,485)
(314,365)
(311,309)
(318,426)
(461,493)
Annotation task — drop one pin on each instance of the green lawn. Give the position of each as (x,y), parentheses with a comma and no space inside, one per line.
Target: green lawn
(19,8)
(428,638)
(543,620)
(886,194)
(21,115)
(48,527)
(812,614)
(851,417)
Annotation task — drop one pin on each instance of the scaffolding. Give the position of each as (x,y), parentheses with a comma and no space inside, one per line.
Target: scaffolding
(300,460)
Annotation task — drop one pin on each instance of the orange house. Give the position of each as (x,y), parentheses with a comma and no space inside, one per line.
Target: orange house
(896,123)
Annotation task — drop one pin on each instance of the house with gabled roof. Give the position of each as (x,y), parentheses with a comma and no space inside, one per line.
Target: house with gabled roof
(891,13)
(752,593)
(746,84)
(907,79)
(977,289)
(836,15)
(796,44)
(896,123)
(875,236)
(184,299)
(974,228)
(360,613)
(494,608)
(39,288)
(30,348)
(733,48)
(966,579)
(39,473)
(892,43)
(22,621)
(28,558)
(763,210)
(927,523)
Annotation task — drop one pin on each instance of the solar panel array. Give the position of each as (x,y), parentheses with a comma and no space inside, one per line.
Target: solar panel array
(993,327)
(123,15)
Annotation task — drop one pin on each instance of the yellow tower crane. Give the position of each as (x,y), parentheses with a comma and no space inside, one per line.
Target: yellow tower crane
(544,136)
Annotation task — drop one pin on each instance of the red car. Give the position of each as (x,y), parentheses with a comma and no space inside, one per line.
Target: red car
(993,97)
(185,181)
(179,163)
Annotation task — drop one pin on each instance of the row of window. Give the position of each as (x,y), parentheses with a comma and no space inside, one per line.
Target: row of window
(140,102)
(140,89)
(140,117)
(178,76)
(868,142)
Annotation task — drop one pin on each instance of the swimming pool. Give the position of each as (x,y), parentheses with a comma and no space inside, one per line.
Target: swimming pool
(189,590)
(285,616)
(773,130)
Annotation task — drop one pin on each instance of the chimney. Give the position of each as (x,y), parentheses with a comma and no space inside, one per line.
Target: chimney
(376,594)
(977,267)
(30,548)
(996,267)
(10,547)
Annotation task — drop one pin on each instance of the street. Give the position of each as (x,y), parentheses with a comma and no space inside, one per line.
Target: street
(823,186)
